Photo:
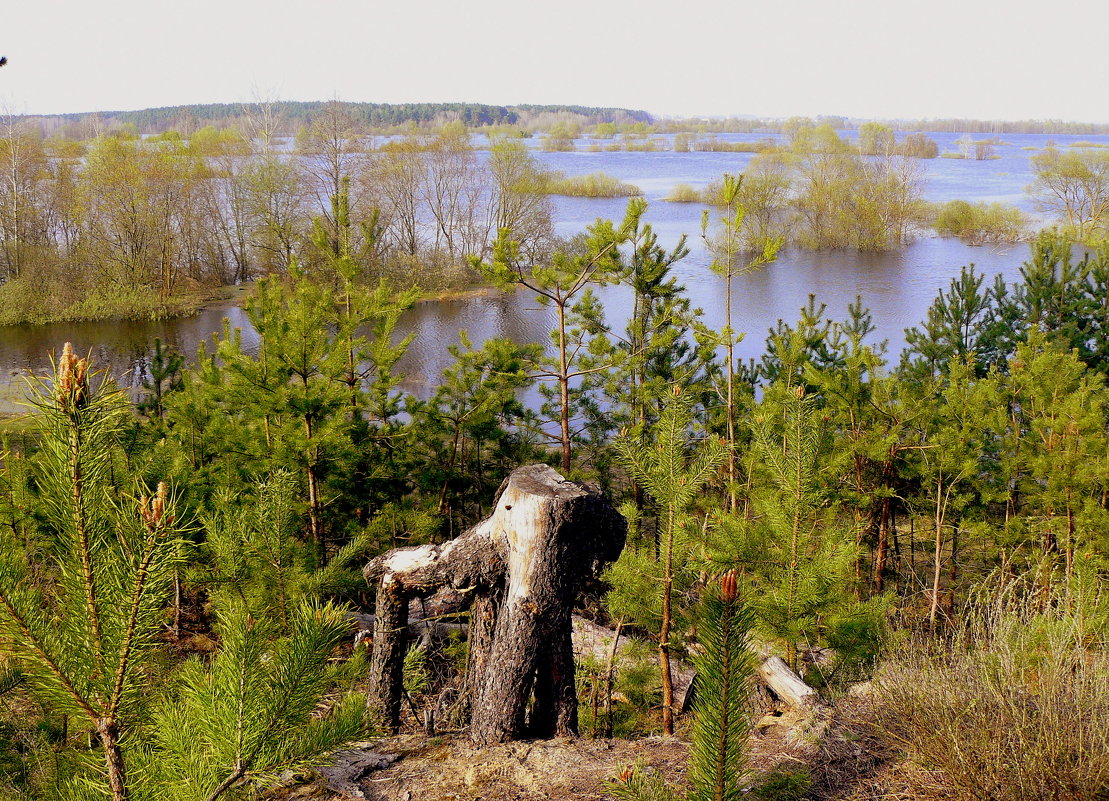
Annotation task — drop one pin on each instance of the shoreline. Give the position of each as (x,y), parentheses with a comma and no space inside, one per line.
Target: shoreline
(186,305)
(233,297)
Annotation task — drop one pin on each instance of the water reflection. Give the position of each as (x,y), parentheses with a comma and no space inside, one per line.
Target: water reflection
(897,287)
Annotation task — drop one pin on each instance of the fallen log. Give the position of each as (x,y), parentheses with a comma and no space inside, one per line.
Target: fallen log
(523,567)
(428,618)
(808,719)
(594,640)
(787,685)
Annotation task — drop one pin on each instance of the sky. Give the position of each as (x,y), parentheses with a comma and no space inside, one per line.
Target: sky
(871,59)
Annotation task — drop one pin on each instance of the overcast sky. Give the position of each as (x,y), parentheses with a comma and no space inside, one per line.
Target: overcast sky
(864,58)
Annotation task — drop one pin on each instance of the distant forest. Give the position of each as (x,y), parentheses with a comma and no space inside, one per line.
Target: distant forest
(294,114)
(290,115)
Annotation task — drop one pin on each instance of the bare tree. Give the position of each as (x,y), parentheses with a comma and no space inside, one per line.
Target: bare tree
(23,164)
(333,148)
(1073,185)
(518,200)
(452,192)
(397,175)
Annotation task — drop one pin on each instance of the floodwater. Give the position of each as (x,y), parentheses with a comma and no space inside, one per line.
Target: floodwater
(898,287)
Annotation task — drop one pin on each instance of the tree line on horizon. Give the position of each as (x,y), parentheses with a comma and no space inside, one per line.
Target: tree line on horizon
(292,114)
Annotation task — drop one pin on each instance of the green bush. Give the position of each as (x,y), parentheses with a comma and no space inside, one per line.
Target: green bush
(43,300)
(636,693)
(683,193)
(21,301)
(918,145)
(597,184)
(557,144)
(980,222)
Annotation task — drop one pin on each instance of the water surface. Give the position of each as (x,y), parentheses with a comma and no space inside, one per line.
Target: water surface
(898,287)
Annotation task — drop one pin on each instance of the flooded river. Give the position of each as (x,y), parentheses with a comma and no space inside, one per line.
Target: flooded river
(898,287)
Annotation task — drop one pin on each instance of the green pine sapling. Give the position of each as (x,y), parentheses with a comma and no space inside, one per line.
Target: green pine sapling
(725,669)
(673,470)
(81,618)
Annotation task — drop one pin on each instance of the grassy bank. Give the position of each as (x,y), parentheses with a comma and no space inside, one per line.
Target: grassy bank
(22,304)
(22,301)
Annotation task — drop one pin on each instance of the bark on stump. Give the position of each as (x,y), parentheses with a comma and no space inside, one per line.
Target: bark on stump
(524,566)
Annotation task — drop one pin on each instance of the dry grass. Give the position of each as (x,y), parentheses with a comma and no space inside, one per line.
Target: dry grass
(1012,706)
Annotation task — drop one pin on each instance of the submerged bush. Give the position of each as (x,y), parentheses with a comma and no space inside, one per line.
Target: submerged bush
(597,184)
(684,193)
(981,222)
(918,145)
(714,145)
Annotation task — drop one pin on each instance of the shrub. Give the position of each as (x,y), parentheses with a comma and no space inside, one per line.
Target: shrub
(604,130)
(984,150)
(597,184)
(22,301)
(1011,707)
(684,193)
(637,143)
(980,222)
(557,144)
(784,785)
(44,299)
(714,145)
(636,693)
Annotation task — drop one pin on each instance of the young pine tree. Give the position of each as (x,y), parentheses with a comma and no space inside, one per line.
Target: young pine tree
(253,711)
(80,611)
(722,719)
(673,469)
(472,423)
(801,556)
(727,246)
(559,283)
(254,559)
(725,670)
(165,377)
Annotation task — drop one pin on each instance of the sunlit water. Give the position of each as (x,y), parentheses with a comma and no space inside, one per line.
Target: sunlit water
(897,287)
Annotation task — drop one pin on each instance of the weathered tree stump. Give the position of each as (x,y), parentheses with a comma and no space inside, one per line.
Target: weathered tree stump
(523,566)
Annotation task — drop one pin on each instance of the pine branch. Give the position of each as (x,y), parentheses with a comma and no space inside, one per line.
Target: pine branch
(42,652)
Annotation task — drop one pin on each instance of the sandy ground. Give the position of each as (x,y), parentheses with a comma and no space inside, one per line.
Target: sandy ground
(449,768)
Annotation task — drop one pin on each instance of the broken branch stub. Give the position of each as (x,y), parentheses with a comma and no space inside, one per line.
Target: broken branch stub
(525,565)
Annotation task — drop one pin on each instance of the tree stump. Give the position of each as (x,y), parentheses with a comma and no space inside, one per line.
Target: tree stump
(523,566)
